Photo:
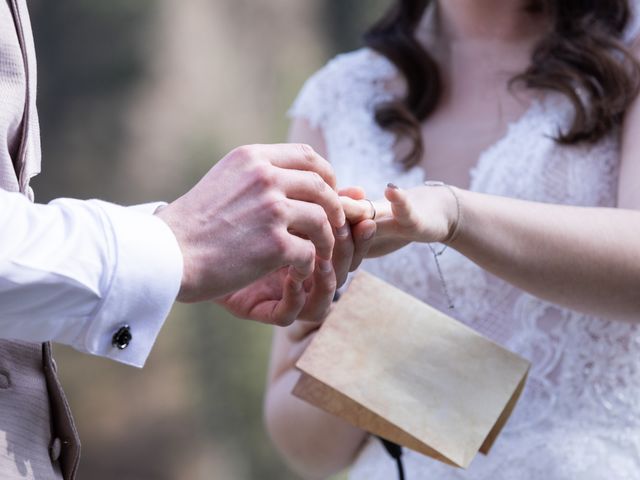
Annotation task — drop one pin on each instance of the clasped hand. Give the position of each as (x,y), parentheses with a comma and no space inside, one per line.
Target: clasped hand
(420,214)
(280,299)
(267,235)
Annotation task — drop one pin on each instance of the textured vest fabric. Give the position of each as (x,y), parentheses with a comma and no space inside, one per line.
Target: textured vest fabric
(38,439)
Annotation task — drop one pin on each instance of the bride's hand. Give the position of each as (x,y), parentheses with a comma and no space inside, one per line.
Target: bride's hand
(420,214)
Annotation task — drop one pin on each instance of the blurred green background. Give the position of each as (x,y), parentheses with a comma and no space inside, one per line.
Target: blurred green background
(138,99)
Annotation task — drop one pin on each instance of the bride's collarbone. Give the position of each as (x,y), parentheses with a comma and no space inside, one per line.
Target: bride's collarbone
(457,134)
(452,150)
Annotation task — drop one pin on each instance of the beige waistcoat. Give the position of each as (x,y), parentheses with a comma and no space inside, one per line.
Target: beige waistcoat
(38,440)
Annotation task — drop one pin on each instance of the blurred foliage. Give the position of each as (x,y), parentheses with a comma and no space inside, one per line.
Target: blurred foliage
(90,55)
(136,98)
(347,20)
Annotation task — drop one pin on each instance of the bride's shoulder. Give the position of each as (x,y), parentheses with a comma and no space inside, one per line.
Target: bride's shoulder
(363,64)
(352,69)
(348,81)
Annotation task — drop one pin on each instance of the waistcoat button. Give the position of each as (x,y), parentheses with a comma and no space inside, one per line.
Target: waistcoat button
(55,449)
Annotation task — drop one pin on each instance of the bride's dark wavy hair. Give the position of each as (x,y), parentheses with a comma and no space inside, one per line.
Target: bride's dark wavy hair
(582,52)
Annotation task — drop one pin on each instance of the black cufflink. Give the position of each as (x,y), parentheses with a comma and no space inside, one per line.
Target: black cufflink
(122,337)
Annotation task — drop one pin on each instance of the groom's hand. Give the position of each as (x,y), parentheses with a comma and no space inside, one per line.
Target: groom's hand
(276,299)
(273,299)
(352,244)
(352,241)
(258,209)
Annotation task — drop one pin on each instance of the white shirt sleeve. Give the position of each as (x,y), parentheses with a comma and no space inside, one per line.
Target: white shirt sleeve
(75,272)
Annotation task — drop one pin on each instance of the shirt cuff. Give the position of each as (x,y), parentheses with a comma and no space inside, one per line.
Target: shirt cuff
(144,284)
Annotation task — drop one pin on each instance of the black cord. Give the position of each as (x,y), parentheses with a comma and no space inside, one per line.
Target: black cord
(400,468)
(395,451)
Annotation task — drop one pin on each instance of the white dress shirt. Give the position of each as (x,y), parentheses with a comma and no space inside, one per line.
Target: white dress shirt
(75,272)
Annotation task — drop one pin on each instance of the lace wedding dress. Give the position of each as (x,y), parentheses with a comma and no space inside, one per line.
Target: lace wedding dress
(579,416)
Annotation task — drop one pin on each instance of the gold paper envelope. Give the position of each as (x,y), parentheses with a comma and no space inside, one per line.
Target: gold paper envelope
(395,367)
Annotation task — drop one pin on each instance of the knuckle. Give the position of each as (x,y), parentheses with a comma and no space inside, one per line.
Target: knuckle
(274,209)
(263,176)
(277,247)
(318,182)
(330,239)
(279,242)
(326,225)
(317,162)
(244,152)
(310,257)
(332,242)
(320,224)
(319,219)
(329,173)
(307,152)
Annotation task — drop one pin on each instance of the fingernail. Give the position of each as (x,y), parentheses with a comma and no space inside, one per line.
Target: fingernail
(343,231)
(296,286)
(392,185)
(325,266)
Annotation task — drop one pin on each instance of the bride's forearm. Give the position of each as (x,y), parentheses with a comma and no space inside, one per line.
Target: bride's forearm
(314,443)
(584,258)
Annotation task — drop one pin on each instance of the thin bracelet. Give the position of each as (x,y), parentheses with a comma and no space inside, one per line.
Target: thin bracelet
(456,227)
(450,237)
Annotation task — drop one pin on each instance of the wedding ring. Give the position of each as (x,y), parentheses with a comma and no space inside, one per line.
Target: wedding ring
(373,209)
